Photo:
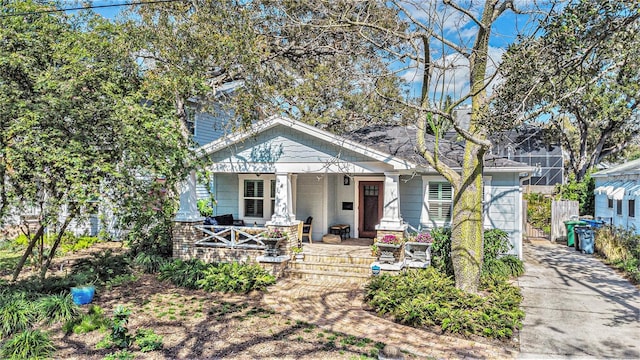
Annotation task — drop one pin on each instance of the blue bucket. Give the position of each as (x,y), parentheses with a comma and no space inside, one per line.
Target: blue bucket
(82,295)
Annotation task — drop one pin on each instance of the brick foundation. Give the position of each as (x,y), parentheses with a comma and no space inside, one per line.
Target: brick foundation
(184,237)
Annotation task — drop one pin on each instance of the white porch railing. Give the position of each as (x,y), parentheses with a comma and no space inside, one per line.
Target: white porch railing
(235,237)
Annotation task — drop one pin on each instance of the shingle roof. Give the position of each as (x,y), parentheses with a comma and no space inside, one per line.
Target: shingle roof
(400,141)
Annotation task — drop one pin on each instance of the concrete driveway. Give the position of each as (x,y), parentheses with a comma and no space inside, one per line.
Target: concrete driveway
(576,307)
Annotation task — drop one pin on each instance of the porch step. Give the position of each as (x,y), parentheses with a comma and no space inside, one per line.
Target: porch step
(327,275)
(332,267)
(343,268)
(339,259)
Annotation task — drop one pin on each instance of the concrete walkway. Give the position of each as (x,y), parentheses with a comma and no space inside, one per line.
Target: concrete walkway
(338,306)
(576,307)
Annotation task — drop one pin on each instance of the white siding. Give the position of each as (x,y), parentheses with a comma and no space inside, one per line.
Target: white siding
(310,201)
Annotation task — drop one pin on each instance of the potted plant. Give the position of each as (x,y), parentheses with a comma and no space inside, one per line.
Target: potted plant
(375,250)
(297,253)
(84,289)
(389,246)
(418,247)
(271,240)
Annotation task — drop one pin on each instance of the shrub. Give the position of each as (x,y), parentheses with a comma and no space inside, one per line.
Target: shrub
(29,344)
(495,263)
(235,277)
(183,273)
(581,191)
(149,263)
(101,267)
(17,313)
(621,249)
(424,298)
(148,340)
(441,250)
(224,277)
(57,308)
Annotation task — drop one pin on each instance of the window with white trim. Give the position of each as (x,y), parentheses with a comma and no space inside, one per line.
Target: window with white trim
(632,208)
(440,201)
(610,203)
(253,196)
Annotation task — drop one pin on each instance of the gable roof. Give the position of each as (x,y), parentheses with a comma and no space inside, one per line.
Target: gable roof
(628,168)
(391,144)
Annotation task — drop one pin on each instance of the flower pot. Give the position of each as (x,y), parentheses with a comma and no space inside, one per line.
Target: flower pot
(82,294)
(389,253)
(272,246)
(418,251)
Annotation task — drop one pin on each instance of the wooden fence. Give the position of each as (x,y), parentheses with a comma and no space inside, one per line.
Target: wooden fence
(561,211)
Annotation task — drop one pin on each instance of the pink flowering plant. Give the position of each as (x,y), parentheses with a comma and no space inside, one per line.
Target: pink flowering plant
(423,237)
(274,233)
(390,239)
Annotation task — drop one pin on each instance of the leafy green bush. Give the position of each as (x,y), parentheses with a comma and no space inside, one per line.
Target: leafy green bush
(580,191)
(235,277)
(29,344)
(496,244)
(495,263)
(148,340)
(183,273)
(204,207)
(621,249)
(57,308)
(539,211)
(119,331)
(101,267)
(149,263)
(119,280)
(94,319)
(17,313)
(225,277)
(441,250)
(426,298)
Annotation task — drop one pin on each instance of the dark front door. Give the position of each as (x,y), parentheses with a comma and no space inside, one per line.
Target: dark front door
(370,207)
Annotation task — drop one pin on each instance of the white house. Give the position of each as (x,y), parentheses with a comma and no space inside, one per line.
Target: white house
(281,170)
(616,190)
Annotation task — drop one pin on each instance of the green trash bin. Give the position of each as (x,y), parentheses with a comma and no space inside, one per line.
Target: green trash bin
(571,234)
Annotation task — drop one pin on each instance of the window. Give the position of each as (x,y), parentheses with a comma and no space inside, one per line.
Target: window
(610,203)
(273,196)
(254,198)
(632,208)
(440,201)
(619,207)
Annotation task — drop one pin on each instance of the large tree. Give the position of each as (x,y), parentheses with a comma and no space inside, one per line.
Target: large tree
(195,48)
(581,78)
(76,127)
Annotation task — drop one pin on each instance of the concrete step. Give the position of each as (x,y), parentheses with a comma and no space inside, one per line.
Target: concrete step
(331,267)
(339,259)
(317,275)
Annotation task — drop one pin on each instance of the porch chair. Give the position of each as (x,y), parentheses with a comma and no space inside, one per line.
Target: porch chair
(307,229)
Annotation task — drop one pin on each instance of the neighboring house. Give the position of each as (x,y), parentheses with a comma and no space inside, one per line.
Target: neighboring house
(533,146)
(616,192)
(281,170)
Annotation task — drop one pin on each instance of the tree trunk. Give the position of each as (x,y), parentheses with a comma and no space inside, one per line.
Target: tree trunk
(52,252)
(466,222)
(27,252)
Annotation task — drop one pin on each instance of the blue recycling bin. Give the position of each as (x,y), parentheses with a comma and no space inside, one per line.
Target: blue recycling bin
(585,239)
(595,224)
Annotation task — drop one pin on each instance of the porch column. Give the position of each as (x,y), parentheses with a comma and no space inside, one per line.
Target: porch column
(283,210)
(391,218)
(188,211)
